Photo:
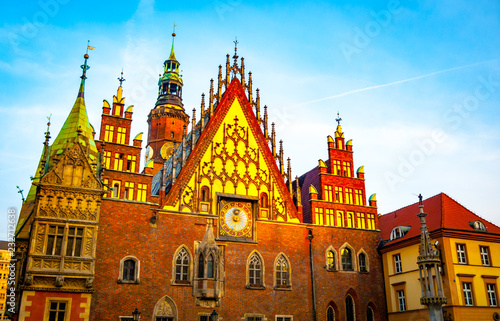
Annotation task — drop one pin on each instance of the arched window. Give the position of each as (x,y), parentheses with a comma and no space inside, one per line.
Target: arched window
(210,267)
(282,272)
(201,265)
(346,254)
(331,264)
(362,262)
(204,194)
(116,190)
(255,271)
(129,270)
(396,233)
(182,266)
(330,314)
(349,308)
(370,316)
(264,201)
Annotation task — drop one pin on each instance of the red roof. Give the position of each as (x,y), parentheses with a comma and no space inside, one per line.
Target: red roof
(443,212)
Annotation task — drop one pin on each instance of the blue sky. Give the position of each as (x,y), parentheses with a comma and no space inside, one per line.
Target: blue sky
(417,83)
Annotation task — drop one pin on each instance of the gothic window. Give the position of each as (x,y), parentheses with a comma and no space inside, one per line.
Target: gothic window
(129,270)
(74,242)
(330,314)
(363,266)
(54,240)
(116,190)
(346,254)
(264,200)
(182,266)
(165,310)
(282,272)
(349,308)
(201,266)
(370,316)
(210,267)
(255,271)
(205,194)
(57,310)
(331,264)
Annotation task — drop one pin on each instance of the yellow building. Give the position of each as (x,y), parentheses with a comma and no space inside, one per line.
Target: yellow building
(470,269)
(4,276)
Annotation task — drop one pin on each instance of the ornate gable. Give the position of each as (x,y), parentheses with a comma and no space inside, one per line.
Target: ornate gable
(232,157)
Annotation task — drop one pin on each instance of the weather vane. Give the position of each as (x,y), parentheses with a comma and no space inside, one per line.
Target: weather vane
(338,119)
(173,32)
(121,79)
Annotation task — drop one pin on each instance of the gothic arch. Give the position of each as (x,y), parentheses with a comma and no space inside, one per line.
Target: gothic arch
(333,306)
(355,304)
(280,258)
(250,258)
(335,265)
(374,311)
(165,307)
(342,257)
(367,261)
(183,249)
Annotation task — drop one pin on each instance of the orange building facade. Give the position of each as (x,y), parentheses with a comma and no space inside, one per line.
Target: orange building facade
(212,223)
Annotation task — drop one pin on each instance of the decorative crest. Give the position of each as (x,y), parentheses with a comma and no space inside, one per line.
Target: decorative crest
(235,48)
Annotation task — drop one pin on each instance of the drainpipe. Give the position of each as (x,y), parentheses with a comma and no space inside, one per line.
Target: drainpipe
(310,236)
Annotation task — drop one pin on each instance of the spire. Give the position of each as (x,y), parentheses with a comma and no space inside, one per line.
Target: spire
(172,52)
(76,128)
(170,83)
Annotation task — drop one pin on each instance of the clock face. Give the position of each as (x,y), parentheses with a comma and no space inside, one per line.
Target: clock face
(149,153)
(166,150)
(236,219)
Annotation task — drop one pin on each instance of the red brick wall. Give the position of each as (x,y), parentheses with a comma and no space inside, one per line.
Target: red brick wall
(125,229)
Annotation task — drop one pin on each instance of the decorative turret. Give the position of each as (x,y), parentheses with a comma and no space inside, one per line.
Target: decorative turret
(429,263)
(170,84)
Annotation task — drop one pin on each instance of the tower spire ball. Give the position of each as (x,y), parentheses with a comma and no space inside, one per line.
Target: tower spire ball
(173,32)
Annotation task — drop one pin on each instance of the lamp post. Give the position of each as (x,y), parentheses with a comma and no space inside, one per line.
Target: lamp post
(136,315)
(214,316)
(310,237)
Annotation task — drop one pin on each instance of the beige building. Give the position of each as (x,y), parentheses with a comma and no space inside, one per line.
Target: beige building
(468,247)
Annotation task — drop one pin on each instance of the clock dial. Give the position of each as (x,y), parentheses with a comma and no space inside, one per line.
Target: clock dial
(236,219)
(166,150)
(149,153)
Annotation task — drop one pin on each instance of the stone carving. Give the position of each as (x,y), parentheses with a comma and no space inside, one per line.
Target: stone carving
(59,281)
(28,280)
(89,282)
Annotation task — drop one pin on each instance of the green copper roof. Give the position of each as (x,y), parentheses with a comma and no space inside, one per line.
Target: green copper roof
(172,53)
(77,120)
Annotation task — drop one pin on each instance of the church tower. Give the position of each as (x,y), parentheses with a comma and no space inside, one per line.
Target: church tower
(168,120)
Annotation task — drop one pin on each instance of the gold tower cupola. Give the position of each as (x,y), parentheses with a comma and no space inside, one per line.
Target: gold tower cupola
(170,83)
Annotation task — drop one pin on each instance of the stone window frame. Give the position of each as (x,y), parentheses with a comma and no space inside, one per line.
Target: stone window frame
(254,315)
(281,287)
(353,258)
(262,284)
(335,266)
(284,317)
(137,270)
(189,280)
(367,261)
(51,299)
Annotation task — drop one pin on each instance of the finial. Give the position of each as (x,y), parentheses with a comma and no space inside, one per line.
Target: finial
(420,200)
(173,32)
(338,120)
(235,48)
(121,79)
(20,191)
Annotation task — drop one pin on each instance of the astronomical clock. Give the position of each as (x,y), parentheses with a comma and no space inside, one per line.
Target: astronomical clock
(236,219)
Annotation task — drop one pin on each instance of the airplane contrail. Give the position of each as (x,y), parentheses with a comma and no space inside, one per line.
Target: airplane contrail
(393,83)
